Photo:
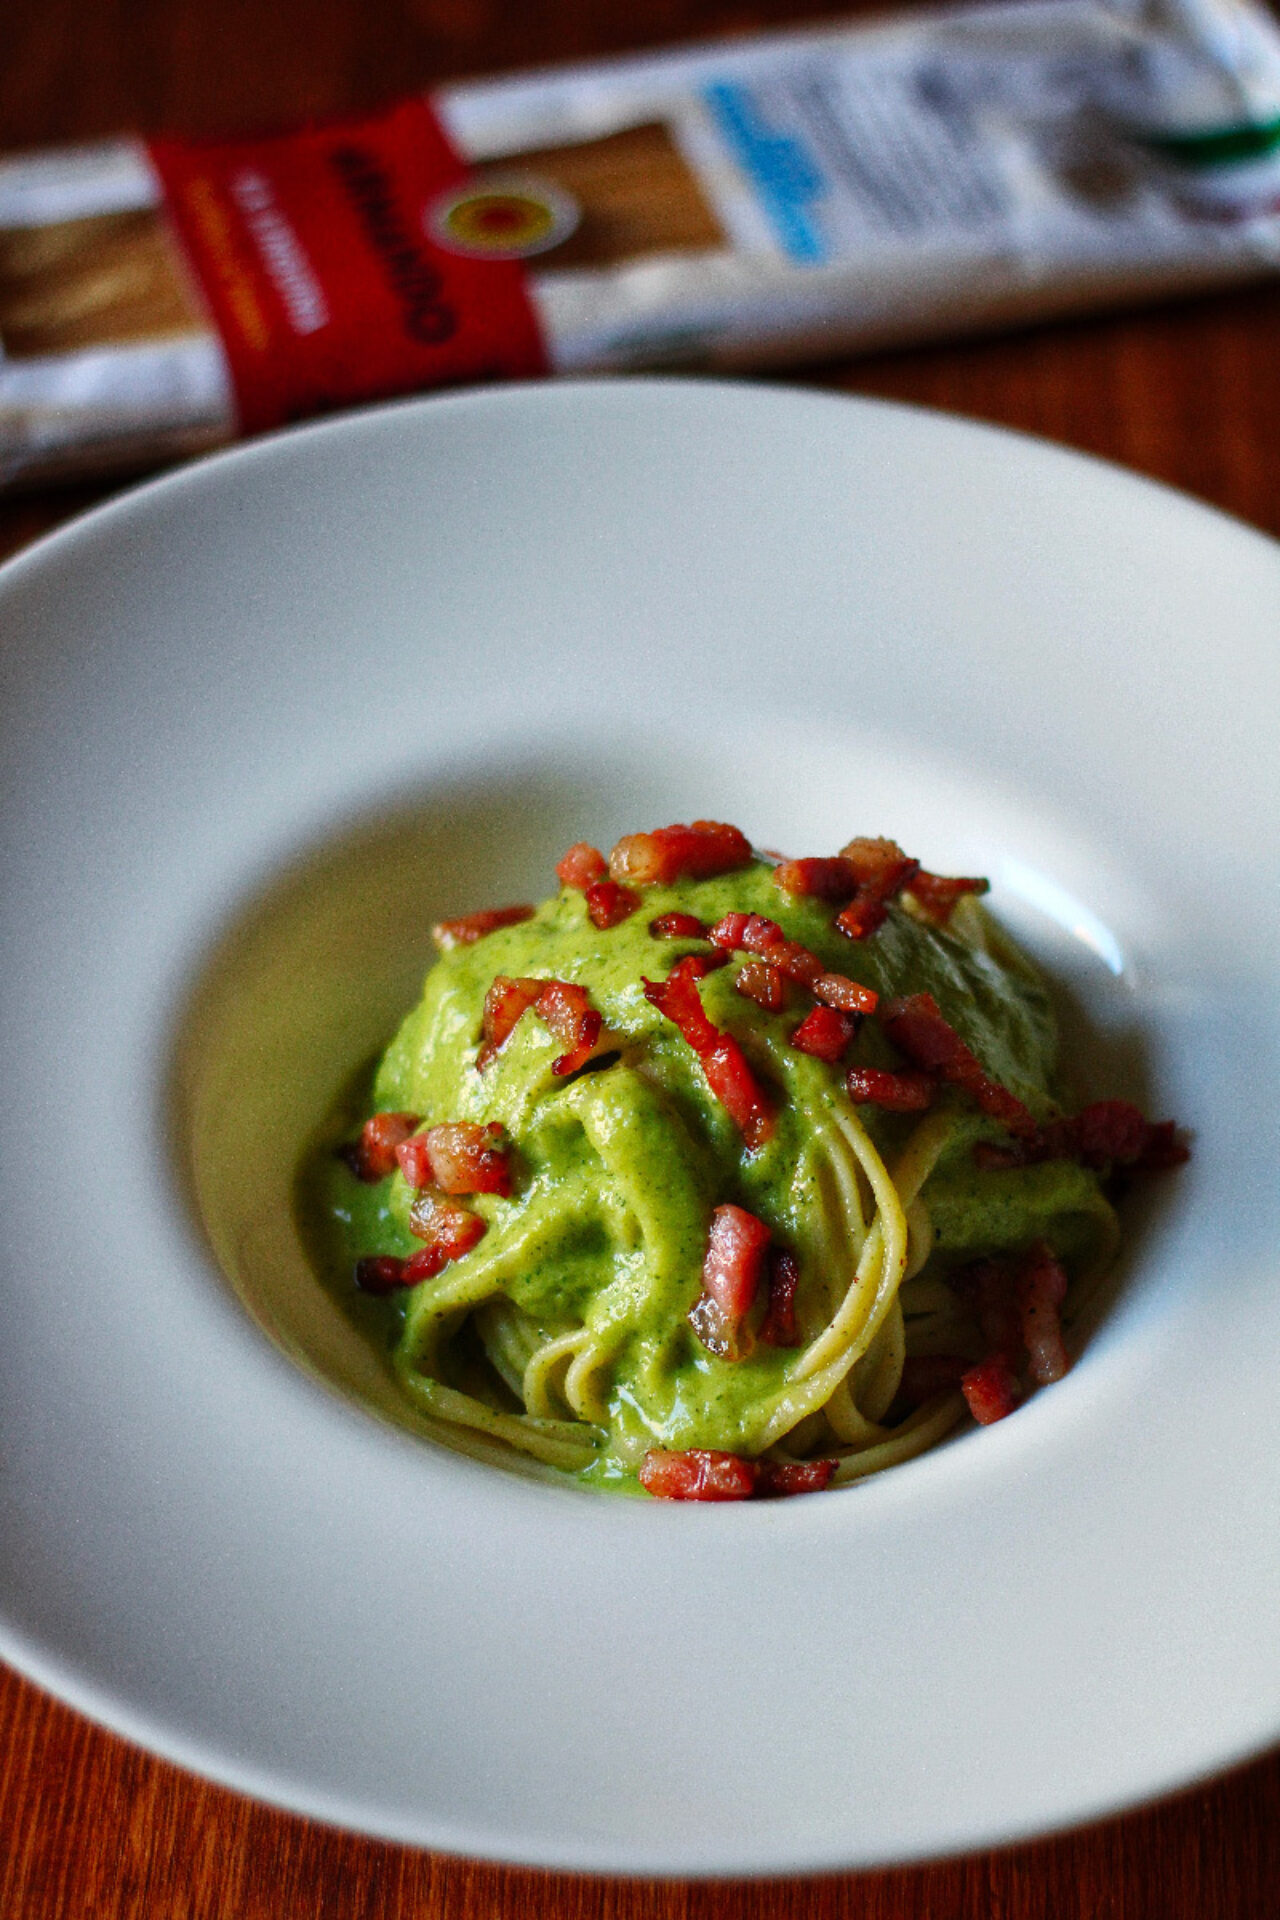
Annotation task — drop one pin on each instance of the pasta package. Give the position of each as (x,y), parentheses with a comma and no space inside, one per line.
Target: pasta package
(748,204)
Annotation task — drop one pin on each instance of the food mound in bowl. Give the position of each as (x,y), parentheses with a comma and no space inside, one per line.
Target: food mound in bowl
(723,1175)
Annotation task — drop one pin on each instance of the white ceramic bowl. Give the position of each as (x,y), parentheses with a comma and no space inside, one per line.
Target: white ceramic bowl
(263,719)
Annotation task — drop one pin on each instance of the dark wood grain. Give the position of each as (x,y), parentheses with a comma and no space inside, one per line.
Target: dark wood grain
(1189,394)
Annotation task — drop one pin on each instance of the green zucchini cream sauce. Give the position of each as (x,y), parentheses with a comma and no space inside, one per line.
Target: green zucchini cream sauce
(618,1168)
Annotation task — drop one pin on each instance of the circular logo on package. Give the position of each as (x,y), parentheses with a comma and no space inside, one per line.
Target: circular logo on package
(503,219)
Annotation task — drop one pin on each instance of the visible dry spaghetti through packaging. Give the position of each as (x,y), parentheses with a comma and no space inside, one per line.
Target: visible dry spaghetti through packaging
(748,204)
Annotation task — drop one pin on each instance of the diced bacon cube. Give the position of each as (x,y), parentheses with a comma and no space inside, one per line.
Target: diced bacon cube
(881,869)
(753,933)
(838,990)
(735,1086)
(897,1092)
(1107,1130)
(778,1479)
(504,1003)
(760,982)
(881,864)
(917,1028)
(414,1160)
(991,1390)
(1041,1289)
(779,1327)
(448,1230)
(1162,1148)
(701,964)
(734,1260)
(862,917)
(465,1157)
(1107,1134)
(696,852)
(373,1156)
(698,1474)
(720,1332)
(380,1274)
(582,866)
(464,932)
(608,904)
(703,1474)
(731,1274)
(567,1012)
(677,997)
(824,1033)
(747,933)
(725,1065)
(834,880)
(677,926)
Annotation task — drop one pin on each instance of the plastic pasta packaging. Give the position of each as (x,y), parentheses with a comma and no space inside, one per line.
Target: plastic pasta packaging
(736,206)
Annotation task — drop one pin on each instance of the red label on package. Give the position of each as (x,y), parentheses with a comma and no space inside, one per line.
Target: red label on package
(315,255)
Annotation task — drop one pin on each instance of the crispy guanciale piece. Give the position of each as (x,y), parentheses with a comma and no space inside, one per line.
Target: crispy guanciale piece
(459,1156)
(730,1078)
(701,964)
(380,1273)
(990,1389)
(760,982)
(731,1274)
(677,926)
(568,1013)
(678,998)
(582,866)
(775,1479)
(1161,1149)
(1040,1289)
(936,895)
(698,1474)
(881,870)
(696,852)
(608,904)
(735,1259)
(881,864)
(414,1160)
(701,1474)
(1017,1304)
(474,926)
(373,1156)
(448,1231)
(896,1092)
(916,1027)
(834,880)
(838,990)
(504,1003)
(779,1328)
(1109,1133)
(824,1033)
(725,1065)
(754,933)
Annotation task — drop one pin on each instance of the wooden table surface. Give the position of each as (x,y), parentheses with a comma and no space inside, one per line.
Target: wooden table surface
(1187,393)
